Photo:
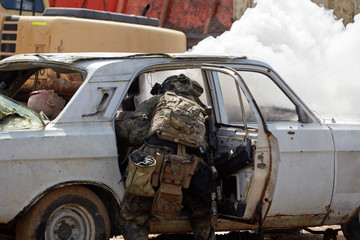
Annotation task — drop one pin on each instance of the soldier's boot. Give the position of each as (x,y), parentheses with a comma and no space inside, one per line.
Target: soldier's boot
(199,218)
(131,231)
(204,233)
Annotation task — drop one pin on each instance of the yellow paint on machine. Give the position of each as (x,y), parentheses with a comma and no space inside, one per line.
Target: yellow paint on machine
(39,23)
(68,34)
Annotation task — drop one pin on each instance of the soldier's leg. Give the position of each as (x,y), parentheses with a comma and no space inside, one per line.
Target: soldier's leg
(199,217)
(135,217)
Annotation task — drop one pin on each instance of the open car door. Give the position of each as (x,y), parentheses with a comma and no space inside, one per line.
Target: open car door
(244,188)
(291,149)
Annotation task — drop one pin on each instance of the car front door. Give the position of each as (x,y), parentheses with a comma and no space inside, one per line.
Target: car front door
(293,169)
(305,166)
(231,99)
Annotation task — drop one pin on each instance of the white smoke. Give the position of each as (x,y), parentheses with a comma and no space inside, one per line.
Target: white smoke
(313,52)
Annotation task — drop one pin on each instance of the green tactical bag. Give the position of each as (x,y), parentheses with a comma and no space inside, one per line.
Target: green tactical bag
(140,169)
(179,119)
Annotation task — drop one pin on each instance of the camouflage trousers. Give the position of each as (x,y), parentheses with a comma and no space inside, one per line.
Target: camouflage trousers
(135,213)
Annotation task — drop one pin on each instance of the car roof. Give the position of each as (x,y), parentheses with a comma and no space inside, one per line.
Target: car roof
(18,68)
(69,58)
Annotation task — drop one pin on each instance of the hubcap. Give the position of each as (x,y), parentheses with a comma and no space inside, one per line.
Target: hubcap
(70,222)
(64,231)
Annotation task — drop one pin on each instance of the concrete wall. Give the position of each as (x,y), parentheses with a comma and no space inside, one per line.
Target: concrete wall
(345,9)
(240,7)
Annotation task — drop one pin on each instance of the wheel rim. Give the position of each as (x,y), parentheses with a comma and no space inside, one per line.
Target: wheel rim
(70,222)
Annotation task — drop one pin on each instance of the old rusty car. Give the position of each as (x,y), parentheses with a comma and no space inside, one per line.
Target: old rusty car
(60,178)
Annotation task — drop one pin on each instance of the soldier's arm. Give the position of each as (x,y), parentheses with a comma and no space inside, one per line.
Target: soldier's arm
(147,107)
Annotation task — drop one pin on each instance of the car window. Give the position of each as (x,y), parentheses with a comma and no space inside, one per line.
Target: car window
(233,97)
(274,105)
(63,84)
(27,5)
(148,80)
(60,84)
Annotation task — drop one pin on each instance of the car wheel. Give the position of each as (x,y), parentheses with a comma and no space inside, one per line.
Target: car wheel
(73,213)
(351,229)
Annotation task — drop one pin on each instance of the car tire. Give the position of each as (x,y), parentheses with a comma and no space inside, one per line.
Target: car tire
(73,212)
(351,229)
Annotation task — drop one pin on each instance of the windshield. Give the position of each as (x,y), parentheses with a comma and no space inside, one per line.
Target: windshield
(15,117)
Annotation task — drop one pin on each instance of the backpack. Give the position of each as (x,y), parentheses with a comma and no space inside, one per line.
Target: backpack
(179,119)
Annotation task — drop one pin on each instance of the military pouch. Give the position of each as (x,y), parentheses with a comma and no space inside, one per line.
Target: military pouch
(140,169)
(176,173)
(167,202)
(178,170)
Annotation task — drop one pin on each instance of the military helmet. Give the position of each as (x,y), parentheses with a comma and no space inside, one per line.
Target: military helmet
(182,84)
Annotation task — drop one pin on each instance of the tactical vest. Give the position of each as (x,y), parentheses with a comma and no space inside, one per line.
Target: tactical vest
(179,119)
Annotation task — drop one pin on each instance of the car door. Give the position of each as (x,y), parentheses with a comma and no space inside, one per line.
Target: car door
(305,167)
(231,98)
(346,195)
(293,169)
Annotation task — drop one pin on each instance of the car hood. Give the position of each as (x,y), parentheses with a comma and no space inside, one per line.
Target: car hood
(339,118)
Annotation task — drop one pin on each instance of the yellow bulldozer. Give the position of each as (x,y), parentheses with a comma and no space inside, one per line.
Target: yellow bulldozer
(30,26)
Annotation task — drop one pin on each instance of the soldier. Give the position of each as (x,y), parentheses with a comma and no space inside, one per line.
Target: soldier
(160,136)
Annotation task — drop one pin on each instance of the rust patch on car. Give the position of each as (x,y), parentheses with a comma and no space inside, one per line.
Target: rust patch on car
(327,215)
(183,226)
(282,221)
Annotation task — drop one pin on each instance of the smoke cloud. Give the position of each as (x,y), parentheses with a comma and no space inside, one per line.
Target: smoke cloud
(312,50)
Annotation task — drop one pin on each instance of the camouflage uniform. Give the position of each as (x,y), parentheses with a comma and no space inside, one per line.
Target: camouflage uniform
(136,210)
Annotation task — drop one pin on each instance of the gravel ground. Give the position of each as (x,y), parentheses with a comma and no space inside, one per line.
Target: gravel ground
(303,235)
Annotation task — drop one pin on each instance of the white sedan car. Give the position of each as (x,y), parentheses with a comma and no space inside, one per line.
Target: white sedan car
(60,178)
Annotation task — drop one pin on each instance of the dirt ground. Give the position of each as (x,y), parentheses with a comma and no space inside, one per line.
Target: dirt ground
(303,235)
